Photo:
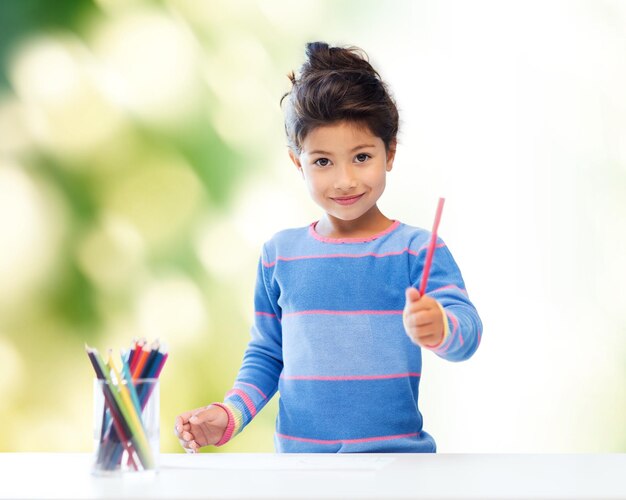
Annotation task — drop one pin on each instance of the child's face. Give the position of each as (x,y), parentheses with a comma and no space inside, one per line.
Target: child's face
(344,167)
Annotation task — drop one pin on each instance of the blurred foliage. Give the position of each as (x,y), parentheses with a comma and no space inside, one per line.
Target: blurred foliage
(127,132)
(22,18)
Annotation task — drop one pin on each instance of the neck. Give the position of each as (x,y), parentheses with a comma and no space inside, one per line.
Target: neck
(369,224)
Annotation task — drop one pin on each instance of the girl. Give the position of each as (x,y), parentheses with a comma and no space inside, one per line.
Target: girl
(340,326)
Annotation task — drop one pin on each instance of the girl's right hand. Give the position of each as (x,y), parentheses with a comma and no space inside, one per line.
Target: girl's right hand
(200,427)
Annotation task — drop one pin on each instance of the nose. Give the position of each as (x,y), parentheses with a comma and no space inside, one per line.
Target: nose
(345,178)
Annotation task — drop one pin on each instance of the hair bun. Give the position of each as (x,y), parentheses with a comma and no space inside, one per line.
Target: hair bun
(318,55)
(321,57)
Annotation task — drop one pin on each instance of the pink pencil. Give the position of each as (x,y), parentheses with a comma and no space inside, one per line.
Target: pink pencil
(431,247)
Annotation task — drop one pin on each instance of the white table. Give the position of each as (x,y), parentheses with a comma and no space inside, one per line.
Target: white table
(372,476)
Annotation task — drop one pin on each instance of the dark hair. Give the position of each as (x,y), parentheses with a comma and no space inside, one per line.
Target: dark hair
(338,84)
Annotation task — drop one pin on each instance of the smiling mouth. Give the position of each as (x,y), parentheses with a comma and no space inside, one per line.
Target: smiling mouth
(348,200)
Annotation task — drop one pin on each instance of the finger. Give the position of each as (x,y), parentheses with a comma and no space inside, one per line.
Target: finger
(187,436)
(429,339)
(204,415)
(178,430)
(431,343)
(178,424)
(431,336)
(184,417)
(420,305)
(420,320)
(411,295)
(415,312)
(424,320)
(432,328)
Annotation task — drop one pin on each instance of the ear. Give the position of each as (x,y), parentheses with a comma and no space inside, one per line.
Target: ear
(391,154)
(296,161)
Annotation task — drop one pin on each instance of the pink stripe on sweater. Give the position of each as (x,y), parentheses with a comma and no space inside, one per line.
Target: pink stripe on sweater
(340,313)
(448,287)
(350,255)
(255,388)
(315,235)
(343,256)
(425,247)
(246,399)
(269,315)
(347,441)
(350,377)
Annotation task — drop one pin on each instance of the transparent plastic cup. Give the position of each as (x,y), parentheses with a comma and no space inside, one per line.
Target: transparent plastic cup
(126,426)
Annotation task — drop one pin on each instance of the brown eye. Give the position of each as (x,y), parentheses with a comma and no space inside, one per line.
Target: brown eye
(323,162)
(362,157)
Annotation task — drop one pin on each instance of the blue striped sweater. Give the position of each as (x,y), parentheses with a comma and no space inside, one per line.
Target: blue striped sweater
(328,335)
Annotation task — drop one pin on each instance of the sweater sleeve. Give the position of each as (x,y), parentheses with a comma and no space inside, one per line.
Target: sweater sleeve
(262,363)
(445,284)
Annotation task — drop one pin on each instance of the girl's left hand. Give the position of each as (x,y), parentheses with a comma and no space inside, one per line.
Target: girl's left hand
(422,319)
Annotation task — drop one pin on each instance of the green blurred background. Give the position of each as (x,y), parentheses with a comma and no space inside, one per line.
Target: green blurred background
(132,133)
(143,163)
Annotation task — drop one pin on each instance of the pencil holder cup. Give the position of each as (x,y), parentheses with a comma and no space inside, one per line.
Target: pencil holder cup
(125,426)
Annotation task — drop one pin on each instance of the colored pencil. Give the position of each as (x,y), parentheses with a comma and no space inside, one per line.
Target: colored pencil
(143,357)
(137,354)
(118,422)
(431,247)
(126,395)
(131,387)
(163,360)
(147,368)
